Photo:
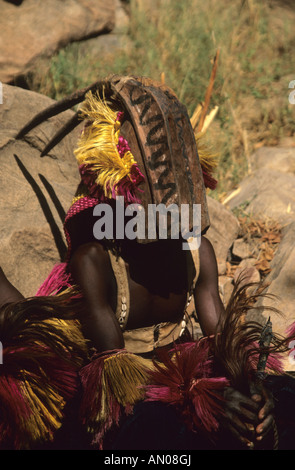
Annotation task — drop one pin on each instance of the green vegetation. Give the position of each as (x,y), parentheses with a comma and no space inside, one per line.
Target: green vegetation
(179,39)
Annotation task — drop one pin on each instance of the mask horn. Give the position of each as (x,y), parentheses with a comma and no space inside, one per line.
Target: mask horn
(68,127)
(56,108)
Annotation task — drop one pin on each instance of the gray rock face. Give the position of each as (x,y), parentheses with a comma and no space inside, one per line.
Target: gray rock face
(224,228)
(38,28)
(241,249)
(282,279)
(267,193)
(270,190)
(280,159)
(270,193)
(35,191)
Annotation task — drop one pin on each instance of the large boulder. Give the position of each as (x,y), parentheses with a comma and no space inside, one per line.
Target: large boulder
(111,43)
(35,191)
(281,280)
(270,190)
(34,28)
(280,291)
(280,159)
(223,230)
(269,193)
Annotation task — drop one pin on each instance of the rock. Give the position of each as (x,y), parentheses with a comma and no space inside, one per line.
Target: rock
(280,159)
(246,275)
(37,29)
(111,43)
(121,19)
(247,263)
(223,230)
(222,267)
(281,281)
(35,192)
(241,249)
(267,193)
(106,45)
(225,288)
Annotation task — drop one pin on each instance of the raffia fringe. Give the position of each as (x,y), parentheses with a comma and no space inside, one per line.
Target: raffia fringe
(131,371)
(97,146)
(208,162)
(112,385)
(33,399)
(38,376)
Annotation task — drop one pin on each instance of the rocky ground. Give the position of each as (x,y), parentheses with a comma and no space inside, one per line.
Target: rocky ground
(265,202)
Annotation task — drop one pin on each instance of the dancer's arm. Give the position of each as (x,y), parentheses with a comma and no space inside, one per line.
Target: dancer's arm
(90,270)
(248,418)
(209,306)
(8,293)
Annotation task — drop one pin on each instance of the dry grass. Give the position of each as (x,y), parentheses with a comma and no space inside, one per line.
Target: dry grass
(263,237)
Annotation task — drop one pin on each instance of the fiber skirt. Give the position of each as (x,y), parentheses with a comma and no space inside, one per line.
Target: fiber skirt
(157,426)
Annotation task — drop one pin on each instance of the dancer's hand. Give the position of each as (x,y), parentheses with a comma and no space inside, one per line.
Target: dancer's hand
(265,415)
(249,419)
(241,416)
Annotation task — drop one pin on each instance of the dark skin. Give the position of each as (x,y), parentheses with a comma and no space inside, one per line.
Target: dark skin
(8,293)
(158,293)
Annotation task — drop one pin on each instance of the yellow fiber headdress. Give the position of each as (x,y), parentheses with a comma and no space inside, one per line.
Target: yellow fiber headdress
(106,163)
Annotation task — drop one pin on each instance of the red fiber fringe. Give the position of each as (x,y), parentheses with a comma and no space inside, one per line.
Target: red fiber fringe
(44,371)
(128,186)
(92,400)
(209,181)
(185,380)
(57,279)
